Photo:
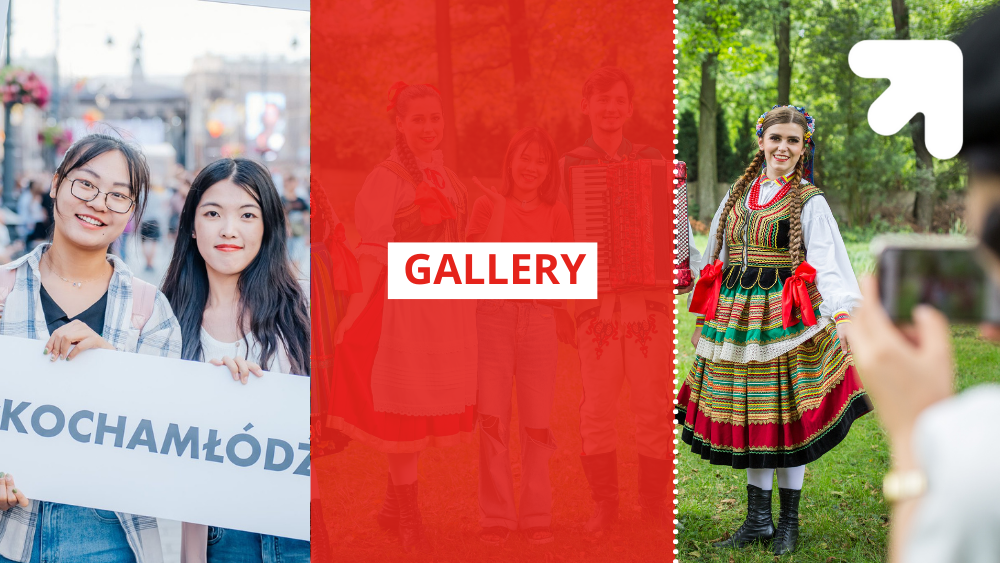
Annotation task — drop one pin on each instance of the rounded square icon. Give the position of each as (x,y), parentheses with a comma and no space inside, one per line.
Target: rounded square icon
(913,90)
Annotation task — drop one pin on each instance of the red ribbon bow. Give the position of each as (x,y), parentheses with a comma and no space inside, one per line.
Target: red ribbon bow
(434,206)
(394,91)
(705,298)
(796,294)
(344,267)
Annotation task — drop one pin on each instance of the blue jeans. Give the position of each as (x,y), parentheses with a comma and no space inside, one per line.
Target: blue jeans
(67,534)
(234,546)
(517,342)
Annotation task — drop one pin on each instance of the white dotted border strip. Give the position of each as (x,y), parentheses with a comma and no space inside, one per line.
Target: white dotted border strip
(676,300)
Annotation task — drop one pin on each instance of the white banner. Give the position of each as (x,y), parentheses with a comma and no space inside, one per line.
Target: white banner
(159,437)
(492,270)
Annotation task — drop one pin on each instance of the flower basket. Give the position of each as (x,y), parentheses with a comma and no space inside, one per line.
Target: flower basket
(57,137)
(20,86)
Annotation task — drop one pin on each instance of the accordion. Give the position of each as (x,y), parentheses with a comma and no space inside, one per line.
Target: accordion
(626,208)
(682,244)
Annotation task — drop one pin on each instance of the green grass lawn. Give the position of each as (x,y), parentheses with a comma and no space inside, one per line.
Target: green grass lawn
(843,515)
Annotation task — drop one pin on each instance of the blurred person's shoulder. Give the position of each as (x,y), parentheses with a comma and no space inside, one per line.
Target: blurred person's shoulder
(982,400)
(958,447)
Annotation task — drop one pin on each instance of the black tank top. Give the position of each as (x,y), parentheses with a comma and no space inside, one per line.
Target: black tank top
(55,317)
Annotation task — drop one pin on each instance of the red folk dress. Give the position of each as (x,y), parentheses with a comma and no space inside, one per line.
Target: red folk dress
(335,276)
(404,378)
(763,393)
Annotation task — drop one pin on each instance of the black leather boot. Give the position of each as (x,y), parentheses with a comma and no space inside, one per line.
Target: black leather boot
(602,474)
(787,535)
(388,515)
(411,527)
(654,478)
(758,527)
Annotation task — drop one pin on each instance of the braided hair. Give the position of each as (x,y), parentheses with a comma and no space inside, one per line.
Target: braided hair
(405,97)
(795,246)
(737,191)
(776,116)
(321,210)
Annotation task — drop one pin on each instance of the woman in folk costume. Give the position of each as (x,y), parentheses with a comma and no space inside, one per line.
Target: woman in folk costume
(335,277)
(405,370)
(772,385)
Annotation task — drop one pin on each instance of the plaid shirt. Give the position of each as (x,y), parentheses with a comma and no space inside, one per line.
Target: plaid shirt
(161,336)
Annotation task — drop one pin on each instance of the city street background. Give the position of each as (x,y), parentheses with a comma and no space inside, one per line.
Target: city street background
(189,81)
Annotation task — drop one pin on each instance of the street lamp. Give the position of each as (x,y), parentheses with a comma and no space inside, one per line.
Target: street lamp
(8,133)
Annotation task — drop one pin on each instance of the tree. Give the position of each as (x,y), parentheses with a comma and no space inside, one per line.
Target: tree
(687,151)
(729,163)
(708,107)
(858,166)
(783,42)
(710,29)
(520,60)
(513,63)
(923,208)
(687,142)
(446,82)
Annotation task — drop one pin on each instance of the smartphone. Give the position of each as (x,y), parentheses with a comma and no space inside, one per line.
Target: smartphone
(943,271)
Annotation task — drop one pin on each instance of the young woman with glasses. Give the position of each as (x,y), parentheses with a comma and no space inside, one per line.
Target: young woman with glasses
(75,296)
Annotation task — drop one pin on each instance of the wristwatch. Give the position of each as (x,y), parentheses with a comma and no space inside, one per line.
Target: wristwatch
(904,485)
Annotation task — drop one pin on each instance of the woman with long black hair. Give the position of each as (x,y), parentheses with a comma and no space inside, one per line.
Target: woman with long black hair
(75,296)
(239,305)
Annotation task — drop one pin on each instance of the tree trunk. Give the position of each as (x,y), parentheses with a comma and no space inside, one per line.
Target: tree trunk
(783,41)
(901,18)
(445,81)
(708,111)
(520,61)
(923,204)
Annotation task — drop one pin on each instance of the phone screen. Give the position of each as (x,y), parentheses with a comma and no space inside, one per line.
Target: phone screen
(948,279)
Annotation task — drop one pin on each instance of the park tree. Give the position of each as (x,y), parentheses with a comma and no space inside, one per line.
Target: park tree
(709,30)
(499,64)
(924,205)
(783,44)
(864,174)
(521,60)
(446,82)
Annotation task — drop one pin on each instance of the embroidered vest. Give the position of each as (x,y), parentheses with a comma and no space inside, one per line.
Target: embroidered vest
(407,222)
(759,238)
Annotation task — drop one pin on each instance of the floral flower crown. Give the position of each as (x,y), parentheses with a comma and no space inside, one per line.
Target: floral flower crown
(810,122)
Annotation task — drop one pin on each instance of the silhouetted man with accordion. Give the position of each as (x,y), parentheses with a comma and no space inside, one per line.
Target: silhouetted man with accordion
(618,195)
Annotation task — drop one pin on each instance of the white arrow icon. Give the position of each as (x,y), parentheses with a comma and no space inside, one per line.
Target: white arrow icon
(925,77)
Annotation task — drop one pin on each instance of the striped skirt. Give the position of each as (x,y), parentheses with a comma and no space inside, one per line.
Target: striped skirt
(762,396)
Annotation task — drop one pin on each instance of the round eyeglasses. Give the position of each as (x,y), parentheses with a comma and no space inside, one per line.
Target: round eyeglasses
(85,190)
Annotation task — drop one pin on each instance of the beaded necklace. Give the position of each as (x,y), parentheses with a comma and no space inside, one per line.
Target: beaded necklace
(755,193)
